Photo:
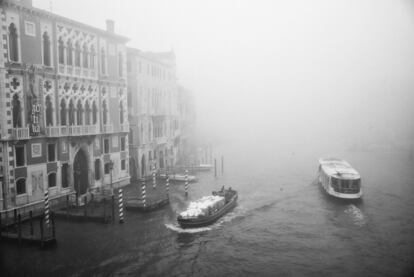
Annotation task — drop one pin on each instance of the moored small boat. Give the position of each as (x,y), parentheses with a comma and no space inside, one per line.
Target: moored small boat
(339,179)
(208,209)
(179,177)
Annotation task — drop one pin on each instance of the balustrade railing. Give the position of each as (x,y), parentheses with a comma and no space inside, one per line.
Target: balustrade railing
(53,131)
(21,133)
(108,129)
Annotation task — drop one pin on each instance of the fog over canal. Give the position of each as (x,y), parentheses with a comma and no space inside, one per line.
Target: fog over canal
(277,84)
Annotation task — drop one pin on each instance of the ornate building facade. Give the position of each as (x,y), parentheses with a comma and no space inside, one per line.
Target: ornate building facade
(154,114)
(63,106)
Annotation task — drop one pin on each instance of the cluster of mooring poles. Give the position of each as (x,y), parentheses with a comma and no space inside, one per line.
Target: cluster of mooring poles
(215,166)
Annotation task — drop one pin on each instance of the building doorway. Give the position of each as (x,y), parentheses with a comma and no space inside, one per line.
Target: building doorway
(133,169)
(80,172)
(143,166)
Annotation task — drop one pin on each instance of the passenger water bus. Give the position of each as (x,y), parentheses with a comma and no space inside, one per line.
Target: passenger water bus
(339,179)
(208,209)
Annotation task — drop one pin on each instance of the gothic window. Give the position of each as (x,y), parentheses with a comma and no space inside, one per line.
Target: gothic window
(85,56)
(70,53)
(65,175)
(92,56)
(63,121)
(46,49)
(94,113)
(104,113)
(121,113)
(49,111)
(71,113)
(79,112)
(87,114)
(77,54)
(61,50)
(21,186)
(19,155)
(51,178)
(103,61)
(120,62)
(13,43)
(17,111)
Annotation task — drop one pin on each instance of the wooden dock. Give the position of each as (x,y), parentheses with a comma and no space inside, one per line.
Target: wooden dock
(30,232)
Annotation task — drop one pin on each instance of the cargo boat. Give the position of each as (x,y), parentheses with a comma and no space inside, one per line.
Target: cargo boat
(339,179)
(230,201)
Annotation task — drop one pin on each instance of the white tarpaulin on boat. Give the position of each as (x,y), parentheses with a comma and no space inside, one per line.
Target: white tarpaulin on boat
(203,205)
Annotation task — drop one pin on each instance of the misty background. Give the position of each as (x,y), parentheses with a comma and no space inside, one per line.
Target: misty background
(332,74)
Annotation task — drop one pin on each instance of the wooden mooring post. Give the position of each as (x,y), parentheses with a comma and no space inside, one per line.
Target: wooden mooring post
(31,222)
(113,208)
(215,167)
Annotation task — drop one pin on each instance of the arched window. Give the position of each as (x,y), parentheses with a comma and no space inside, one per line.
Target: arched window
(77,54)
(61,50)
(103,61)
(97,169)
(71,113)
(21,186)
(13,43)
(87,114)
(94,113)
(79,112)
(46,49)
(63,121)
(65,175)
(121,113)
(49,111)
(51,178)
(92,56)
(17,111)
(104,113)
(120,63)
(70,53)
(85,56)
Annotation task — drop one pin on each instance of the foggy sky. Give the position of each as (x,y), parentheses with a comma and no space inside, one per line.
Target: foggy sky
(279,69)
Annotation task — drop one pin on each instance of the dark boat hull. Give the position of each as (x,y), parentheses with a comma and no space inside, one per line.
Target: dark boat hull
(205,221)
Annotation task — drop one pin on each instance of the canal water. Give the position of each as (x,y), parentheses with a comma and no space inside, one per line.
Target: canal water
(284,225)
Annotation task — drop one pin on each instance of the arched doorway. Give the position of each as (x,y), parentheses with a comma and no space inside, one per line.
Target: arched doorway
(143,166)
(80,172)
(133,169)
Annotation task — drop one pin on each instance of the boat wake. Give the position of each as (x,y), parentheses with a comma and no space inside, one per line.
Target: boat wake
(356,215)
(236,213)
(176,228)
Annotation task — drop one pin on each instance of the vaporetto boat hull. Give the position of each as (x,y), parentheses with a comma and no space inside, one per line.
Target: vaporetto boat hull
(339,179)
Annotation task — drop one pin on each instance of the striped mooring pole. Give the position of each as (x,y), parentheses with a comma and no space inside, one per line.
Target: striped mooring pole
(143,193)
(167,183)
(154,179)
(47,221)
(186,183)
(121,206)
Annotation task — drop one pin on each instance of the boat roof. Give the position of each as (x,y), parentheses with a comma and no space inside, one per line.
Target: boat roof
(338,168)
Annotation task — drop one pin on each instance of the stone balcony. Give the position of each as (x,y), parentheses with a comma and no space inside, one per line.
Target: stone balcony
(20,133)
(73,130)
(107,129)
(125,128)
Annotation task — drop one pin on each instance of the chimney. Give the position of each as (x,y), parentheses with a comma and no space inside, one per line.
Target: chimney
(110,26)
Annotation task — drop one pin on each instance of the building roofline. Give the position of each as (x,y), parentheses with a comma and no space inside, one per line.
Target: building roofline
(63,19)
(148,55)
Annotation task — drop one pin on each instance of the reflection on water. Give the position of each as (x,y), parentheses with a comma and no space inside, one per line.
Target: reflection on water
(284,224)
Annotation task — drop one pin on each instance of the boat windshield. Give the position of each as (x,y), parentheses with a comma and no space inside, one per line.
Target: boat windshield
(345,185)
